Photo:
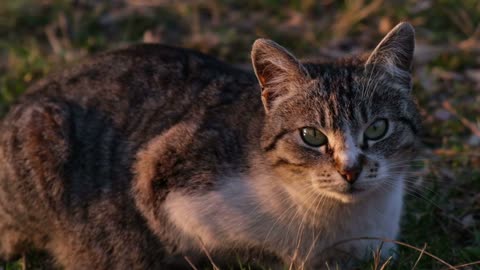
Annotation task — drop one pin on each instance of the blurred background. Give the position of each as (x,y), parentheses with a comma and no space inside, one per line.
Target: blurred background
(443,203)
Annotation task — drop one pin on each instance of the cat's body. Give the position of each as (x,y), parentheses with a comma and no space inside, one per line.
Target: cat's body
(149,154)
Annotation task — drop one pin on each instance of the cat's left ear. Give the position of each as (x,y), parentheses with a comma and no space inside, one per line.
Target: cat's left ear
(394,54)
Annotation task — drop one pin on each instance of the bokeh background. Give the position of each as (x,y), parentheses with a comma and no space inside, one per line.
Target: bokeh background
(443,203)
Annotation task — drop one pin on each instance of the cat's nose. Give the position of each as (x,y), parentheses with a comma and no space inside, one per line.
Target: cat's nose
(351,174)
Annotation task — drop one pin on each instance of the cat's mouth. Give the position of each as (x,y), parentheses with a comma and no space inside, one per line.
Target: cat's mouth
(354,190)
(348,189)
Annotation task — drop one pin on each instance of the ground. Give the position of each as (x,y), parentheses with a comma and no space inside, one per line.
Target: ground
(442,214)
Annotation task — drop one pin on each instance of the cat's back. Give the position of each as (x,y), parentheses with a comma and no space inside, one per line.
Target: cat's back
(87,124)
(142,85)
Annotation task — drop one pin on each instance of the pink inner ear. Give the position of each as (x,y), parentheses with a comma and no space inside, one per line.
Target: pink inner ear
(262,80)
(265,95)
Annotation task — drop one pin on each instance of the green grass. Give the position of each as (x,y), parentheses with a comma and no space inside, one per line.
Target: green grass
(37,37)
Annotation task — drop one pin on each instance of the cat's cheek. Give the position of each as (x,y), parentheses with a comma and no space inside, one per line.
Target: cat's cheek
(290,174)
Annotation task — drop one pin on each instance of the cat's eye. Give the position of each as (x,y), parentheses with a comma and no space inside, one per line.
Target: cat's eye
(313,137)
(377,130)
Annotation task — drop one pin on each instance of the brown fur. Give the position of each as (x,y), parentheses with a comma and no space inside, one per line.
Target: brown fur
(89,156)
(67,151)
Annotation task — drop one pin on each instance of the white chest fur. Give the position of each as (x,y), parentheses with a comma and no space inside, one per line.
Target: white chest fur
(247,212)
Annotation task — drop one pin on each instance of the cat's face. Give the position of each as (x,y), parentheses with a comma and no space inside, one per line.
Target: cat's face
(341,130)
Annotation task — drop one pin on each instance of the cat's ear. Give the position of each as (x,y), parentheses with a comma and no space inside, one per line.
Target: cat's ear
(277,71)
(394,54)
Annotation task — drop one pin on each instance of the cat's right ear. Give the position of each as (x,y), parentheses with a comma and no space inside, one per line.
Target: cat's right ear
(278,72)
(394,54)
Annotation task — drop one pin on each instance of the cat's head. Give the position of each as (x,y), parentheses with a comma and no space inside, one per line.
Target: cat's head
(343,129)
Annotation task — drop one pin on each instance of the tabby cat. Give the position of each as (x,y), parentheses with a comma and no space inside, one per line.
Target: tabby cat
(154,157)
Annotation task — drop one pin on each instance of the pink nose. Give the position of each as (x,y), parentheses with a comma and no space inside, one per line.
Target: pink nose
(350,175)
(351,172)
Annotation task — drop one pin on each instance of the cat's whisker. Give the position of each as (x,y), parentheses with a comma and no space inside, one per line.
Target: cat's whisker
(414,193)
(306,215)
(310,193)
(302,222)
(315,238)
(299,209)
(418,181)
(319,205)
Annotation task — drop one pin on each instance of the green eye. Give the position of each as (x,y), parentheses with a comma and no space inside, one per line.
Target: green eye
(377,129)
(313,137)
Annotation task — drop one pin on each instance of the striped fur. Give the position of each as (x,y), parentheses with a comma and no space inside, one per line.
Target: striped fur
(142,156)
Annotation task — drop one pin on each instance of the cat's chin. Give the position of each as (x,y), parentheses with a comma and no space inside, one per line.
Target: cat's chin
(350,196)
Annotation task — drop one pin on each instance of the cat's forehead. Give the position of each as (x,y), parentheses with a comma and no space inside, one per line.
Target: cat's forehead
(345,96)
(336,83)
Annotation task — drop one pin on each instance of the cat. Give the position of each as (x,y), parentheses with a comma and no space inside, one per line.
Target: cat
(154,157)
